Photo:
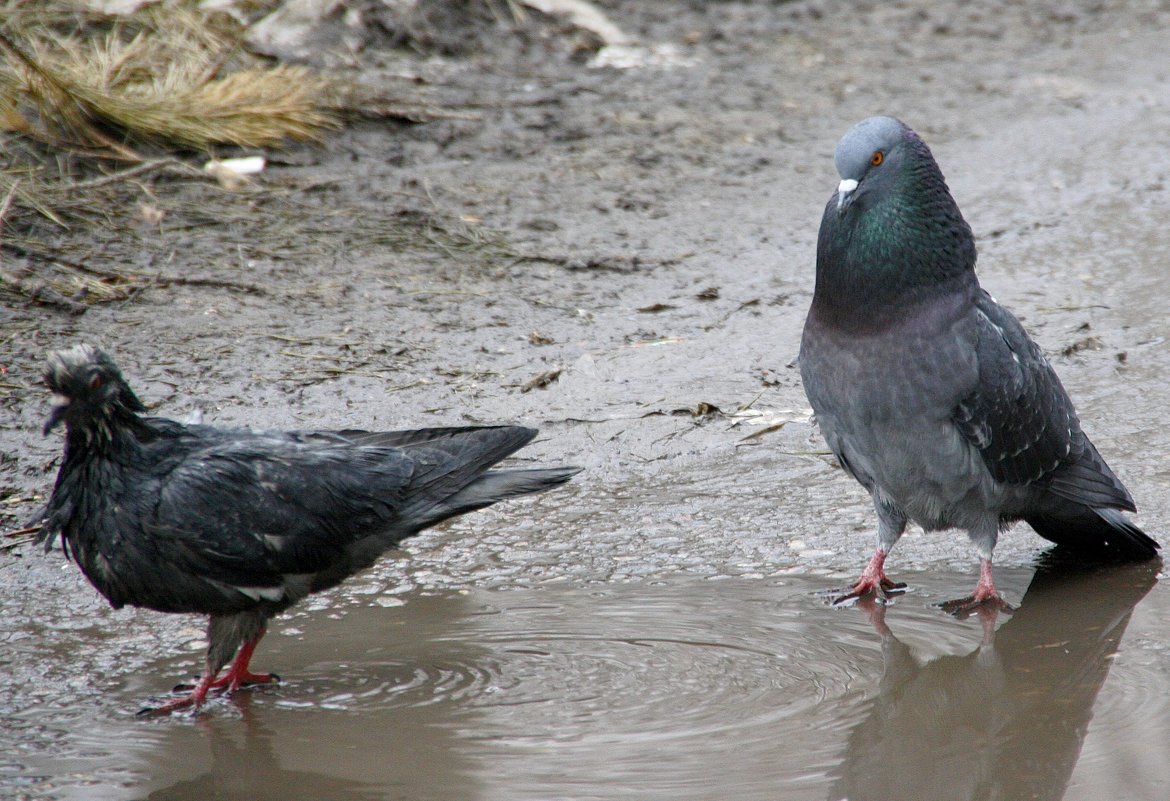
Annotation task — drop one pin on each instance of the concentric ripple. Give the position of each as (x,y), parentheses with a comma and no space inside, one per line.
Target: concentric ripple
(692,688)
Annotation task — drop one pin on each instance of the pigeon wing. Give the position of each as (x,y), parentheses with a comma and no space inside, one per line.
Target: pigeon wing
(248,512)
(1022,420)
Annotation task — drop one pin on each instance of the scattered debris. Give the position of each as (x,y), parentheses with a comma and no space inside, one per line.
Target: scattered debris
(761,432)
(541,381)
(702,409)
(585,16)
(710,293)
(747,304)
(537,338)
(654,308)
(292,30)
(1091,342)
(769,420)
(233,173)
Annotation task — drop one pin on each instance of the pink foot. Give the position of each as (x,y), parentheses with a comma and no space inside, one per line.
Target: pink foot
(194,699)
(984,599)
(237,676)
(873,582)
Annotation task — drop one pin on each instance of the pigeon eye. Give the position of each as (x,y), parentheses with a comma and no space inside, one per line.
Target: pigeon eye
(877,158)
(95,383)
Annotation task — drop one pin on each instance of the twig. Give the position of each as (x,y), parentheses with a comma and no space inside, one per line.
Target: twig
(125,175)
(7,204)
(218,283)
(20,532)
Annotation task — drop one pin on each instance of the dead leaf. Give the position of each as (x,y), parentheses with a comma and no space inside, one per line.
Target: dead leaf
(765,430)
(701,409)
(541,381)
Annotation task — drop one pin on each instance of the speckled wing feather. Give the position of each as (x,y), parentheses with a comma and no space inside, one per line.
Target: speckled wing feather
(1022,421)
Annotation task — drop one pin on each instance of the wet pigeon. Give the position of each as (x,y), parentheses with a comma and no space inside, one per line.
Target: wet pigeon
(929,392)
(241,525)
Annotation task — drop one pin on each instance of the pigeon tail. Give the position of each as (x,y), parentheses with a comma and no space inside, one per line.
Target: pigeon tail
(1102,531)
(498,485)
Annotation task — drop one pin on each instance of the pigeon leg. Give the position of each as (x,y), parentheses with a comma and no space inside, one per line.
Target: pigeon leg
(238,674)
(236,677)
(985,597)
(873,582)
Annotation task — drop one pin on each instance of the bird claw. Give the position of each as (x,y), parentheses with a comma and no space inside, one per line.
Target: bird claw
(881,592)
(167,708)
(226,684)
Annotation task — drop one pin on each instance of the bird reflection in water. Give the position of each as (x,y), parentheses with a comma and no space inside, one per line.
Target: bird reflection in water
(244,765)
(1007,720)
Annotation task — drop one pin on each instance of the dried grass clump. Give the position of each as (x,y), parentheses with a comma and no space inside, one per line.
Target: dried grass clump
(158,84)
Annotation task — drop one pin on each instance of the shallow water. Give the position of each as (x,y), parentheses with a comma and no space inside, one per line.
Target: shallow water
(691,688)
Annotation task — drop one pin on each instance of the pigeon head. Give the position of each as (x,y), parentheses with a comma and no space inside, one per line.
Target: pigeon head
(875,146)
(89,393)
(891,234)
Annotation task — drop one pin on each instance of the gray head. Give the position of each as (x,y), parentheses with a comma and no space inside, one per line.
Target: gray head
(88,389)
(866,147)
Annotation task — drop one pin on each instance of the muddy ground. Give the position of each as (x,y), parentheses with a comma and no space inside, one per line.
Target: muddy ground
(630,269)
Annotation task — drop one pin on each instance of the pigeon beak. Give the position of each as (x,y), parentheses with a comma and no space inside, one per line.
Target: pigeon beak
(57,414)
(844,190)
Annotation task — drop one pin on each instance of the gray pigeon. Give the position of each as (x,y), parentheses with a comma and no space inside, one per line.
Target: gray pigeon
(929,392)
(241,525)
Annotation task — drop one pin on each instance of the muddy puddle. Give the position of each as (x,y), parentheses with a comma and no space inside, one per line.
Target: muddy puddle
(696,688)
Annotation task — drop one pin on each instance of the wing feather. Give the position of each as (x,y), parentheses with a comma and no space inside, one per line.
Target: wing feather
(1022,421)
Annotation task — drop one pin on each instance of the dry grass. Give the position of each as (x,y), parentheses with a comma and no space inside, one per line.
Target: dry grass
(102,121)
(155,79)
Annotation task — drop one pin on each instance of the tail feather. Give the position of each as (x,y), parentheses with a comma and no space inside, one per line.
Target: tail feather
(497,485)
(518,435)
(1089,482)
(1101,531)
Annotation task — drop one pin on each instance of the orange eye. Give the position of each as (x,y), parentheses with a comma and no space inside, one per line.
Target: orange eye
(95,383)
(877,158)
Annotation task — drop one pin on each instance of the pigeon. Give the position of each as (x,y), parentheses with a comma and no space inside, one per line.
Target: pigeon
(240,525)
(931,394)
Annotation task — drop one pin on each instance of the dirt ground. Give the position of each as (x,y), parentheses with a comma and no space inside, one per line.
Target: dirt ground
(626,264)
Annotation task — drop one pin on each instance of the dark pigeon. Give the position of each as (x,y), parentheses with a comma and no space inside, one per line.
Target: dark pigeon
(241,525)
(929,392)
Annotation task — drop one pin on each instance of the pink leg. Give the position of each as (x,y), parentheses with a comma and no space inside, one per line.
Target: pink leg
(873,581)
(236,677)
(985,596)
(238,674)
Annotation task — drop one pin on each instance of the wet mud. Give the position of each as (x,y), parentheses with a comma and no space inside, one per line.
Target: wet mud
(654,629)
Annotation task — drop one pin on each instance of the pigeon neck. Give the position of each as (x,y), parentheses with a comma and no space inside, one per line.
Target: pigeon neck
(108,435)
(901,245)
(883,309)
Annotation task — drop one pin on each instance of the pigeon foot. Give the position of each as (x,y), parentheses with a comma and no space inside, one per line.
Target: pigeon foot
(873,583)
(229,683)
(237,677)
(197,693)
(965,607)
(985,597)
(880,591)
